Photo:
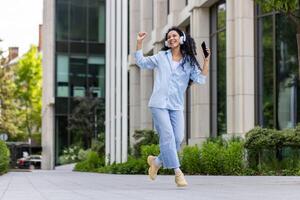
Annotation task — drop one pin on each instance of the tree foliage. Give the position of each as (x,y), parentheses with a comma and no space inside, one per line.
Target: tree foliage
(87,119)
(286,7)
(8,109)
(28,91)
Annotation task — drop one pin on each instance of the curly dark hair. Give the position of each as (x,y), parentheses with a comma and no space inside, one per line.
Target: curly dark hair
(187,49)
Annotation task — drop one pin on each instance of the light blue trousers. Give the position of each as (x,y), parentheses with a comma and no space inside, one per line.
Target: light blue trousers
(170,127)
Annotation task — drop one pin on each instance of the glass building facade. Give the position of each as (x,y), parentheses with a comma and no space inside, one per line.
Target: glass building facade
(218,65)
(277,71)
(79,64)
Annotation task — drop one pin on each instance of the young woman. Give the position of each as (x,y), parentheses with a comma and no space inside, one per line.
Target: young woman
(176,67)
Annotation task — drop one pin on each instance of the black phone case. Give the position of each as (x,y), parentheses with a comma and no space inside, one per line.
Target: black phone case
(204,49)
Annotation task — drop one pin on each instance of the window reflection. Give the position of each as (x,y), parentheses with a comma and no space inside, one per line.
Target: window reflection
(287,71)
(78,20)
(267,73)
(61,124)
(221,84)
(96,21)
(62,26)
(78,68)
(97,76)
(221,16)
(278,89)
(218,75)
(62,76)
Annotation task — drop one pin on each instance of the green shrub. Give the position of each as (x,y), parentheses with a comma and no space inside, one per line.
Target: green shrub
(82,154)
(91,164)
(70,155)
(211,158)
(132,166)
(82,167)
(257,138)
(220,157)
(98,145)
(190,160)
(215,157)
(273,151)
(147,150)
(234,162)
(4,158)
(143,137)
(94,161)
(135,165)
(290,161)
(262,138)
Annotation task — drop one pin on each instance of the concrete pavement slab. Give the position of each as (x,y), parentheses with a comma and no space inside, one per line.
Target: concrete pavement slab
(67,185)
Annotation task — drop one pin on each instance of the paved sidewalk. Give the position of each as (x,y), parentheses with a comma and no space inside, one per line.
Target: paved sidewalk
(67,185)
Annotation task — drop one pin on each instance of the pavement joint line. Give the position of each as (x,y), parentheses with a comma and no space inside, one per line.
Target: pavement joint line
(35,188)
(68,190)
(3,194)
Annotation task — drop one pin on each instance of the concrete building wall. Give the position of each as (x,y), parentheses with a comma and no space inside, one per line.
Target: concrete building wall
(134,72)
(116,119)
(48,129)
(240,66)
(146,76)
(200,95)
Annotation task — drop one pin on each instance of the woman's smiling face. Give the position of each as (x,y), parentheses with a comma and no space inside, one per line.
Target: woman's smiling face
(173,39)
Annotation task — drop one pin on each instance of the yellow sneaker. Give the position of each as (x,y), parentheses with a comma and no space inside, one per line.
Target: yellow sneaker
(153,169)
(180,180)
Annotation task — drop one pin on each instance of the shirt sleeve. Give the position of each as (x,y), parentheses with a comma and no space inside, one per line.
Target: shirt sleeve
(145,62)
(197,76)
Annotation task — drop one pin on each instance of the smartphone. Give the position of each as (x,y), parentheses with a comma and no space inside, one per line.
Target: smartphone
(203,45)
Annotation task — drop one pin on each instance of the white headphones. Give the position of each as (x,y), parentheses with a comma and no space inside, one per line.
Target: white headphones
(182,39)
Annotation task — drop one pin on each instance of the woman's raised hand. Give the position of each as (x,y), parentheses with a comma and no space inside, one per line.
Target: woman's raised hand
(141,36)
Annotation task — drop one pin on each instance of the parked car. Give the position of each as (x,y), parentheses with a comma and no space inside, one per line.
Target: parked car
(30,162)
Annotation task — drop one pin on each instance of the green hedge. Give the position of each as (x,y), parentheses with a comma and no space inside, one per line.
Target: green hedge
(190,160)
(132,166)
(262,138)
(264,152)
(143,137)
(91,163)
(273,152)
(4,158)
(222,157)
(215,157)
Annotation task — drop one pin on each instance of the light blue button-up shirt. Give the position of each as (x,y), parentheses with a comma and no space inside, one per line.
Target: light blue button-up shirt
(169,85)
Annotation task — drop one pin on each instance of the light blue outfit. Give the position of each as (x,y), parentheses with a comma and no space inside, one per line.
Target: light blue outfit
(167,99)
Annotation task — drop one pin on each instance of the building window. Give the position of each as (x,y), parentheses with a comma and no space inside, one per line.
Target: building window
(62,19)
(218,64)
(96,21)
(277,71)
(62,77)
(80,62)
(188,104)
(78,20)
(96,75)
